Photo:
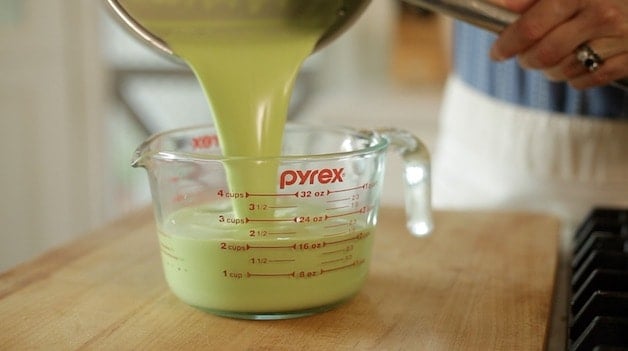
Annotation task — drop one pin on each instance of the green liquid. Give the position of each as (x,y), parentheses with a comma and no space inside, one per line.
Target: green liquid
(274,269)
(246,55)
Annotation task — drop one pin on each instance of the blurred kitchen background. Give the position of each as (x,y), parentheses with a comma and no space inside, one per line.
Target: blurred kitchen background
(78,94)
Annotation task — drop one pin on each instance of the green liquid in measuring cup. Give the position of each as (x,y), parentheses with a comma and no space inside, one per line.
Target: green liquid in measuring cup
(246,54)
(215,267)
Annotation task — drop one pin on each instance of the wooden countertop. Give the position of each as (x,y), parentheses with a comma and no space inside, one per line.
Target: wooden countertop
(482,281)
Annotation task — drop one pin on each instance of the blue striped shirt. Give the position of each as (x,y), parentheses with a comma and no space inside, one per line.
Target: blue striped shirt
(509,82)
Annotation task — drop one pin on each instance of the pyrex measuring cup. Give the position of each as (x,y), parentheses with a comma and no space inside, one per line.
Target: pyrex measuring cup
(303,246)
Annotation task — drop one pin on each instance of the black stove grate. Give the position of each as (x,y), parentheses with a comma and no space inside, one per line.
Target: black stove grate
(598,318)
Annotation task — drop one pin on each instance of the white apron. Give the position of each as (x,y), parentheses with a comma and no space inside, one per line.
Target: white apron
(492,154)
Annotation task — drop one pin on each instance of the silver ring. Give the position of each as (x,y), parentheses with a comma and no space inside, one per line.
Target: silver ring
(588,58)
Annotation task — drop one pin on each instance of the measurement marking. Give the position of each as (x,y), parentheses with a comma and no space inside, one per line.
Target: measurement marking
(353,264)
(335,225)
(281,233)
(170,255)
(337,208)
(281,207)
(281,261)
(339,200)
(363,186)
(358,236)
(333,261)
(249,274)
(341,241)
(249,247)
(166,247)
(334,252)
(270,194)
(362,210)
(334,234)
(247,219)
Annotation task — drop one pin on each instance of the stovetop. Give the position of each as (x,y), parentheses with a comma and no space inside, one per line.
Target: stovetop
(598,311)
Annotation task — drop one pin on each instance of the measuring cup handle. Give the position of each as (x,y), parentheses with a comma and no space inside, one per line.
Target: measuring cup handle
(416,179)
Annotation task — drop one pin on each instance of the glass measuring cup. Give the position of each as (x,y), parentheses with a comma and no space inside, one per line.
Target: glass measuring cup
(298,248)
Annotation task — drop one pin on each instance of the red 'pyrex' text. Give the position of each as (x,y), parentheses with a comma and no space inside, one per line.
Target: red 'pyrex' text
(310,176)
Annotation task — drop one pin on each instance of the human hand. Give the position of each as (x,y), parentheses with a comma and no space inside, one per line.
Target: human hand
(549,32)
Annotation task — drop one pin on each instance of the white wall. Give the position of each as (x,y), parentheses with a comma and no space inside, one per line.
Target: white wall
(51,122)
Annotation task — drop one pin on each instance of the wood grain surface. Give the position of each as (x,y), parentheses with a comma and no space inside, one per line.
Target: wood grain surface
(482,281)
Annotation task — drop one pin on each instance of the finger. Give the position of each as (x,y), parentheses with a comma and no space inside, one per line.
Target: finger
(570,67)
(563,40)
(555,46)
(567,69)
(542,17)
(613,68)
(518,6)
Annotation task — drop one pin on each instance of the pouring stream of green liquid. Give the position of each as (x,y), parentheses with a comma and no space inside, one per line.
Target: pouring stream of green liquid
(246,54)
(247,65)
